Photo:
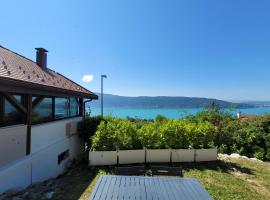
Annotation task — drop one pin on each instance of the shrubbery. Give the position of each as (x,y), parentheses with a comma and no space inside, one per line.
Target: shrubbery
(206,129)
(115,133)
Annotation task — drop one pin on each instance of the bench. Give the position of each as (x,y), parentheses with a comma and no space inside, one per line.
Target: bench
(130,171)
(166,170)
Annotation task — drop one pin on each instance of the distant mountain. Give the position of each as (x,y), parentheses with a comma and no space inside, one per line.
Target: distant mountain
(258,103)
(163,102)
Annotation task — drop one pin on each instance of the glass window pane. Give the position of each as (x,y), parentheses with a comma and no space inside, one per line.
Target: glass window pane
(43,111)
(11,114)
(61,108)
(74,107)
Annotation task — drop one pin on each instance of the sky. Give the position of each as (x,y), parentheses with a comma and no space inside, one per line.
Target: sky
(196,48)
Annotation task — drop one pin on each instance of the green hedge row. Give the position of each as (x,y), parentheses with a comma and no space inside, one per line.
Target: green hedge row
(115,133)
(206,129)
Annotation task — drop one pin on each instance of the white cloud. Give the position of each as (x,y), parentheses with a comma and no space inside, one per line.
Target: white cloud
(87,78)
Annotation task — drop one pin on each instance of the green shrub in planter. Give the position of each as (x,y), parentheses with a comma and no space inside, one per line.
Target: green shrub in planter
(150,135)
(115,133)
(175,134)
(203,135)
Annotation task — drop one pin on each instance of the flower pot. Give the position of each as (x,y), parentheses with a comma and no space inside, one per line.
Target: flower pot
(158,155)
(183,155)
(205,155)
(97,158)
(131,156)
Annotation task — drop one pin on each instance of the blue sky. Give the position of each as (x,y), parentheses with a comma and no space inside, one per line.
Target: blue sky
(202,48)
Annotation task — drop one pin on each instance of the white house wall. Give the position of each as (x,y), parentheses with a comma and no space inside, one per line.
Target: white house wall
(45,163)
(43,135)
(15,175)
(12,143)
(42,163)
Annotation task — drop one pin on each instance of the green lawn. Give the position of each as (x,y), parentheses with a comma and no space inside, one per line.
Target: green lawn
(233,179)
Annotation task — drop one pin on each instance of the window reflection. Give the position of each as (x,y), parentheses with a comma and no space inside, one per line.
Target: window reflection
(61,108)
(46,110)
(74,107)
(43,111)
(11,114)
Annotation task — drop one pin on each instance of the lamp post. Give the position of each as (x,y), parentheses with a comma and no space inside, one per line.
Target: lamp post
(102,77)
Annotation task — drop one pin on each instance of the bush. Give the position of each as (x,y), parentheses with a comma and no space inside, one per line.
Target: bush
(162,133)
(206,129)
(115,133)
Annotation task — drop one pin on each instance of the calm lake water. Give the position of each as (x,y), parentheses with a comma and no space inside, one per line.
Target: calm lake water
(146,113)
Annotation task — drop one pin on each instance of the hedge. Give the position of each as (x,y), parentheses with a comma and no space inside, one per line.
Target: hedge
(115,133)
(206,129)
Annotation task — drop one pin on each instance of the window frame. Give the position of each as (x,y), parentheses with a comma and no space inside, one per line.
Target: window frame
(53,111)
(24,122)
(2,111)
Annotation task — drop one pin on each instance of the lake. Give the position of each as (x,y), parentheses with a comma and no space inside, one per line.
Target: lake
(151,113)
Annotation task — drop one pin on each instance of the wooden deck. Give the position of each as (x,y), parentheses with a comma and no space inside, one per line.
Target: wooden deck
(146,188)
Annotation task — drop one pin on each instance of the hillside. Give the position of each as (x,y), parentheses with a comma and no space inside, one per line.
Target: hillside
(163,102)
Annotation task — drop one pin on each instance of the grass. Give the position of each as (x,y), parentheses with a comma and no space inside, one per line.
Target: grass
(231,179)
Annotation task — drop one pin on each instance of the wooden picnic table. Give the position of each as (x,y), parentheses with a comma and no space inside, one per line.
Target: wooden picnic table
(146,188)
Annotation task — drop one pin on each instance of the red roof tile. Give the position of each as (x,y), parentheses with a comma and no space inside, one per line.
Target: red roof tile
(17,67)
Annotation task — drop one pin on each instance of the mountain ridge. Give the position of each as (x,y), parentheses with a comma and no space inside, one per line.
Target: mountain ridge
(111,100)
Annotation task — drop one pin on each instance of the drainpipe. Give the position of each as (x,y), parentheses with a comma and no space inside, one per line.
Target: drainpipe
(84,103)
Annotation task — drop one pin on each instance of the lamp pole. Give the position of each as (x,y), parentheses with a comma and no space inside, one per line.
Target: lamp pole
(102,77)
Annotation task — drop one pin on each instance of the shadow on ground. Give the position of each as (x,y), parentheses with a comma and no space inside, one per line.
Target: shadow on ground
(221,166)
(79,180)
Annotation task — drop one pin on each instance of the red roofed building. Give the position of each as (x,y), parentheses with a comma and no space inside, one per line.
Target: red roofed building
(39,113)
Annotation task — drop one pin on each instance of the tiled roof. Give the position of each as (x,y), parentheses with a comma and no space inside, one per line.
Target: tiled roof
(247,116)
(17,67)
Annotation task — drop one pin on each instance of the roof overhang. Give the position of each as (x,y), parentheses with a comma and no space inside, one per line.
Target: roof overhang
(17,86)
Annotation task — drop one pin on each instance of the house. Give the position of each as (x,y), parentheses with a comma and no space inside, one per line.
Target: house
(39,112)
(246,116)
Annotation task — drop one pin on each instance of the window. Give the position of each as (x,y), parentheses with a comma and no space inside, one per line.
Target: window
(43,111)
(63,156)
(61,108)
(74,107)
(66,107)
(10,115)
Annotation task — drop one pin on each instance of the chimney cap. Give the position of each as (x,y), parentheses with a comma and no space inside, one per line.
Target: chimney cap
(41,49)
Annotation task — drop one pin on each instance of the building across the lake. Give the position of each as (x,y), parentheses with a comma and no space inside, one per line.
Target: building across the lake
(246,116)
(39,113)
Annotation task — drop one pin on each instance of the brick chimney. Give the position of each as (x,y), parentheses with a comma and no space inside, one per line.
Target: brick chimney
(41,58)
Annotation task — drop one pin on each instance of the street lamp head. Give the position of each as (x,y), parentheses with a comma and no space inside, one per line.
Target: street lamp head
(104,76)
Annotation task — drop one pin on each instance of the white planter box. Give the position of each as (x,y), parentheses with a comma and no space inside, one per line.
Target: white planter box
(97,158)
(183,155)
(205,154)
(131,156)
(158,155)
